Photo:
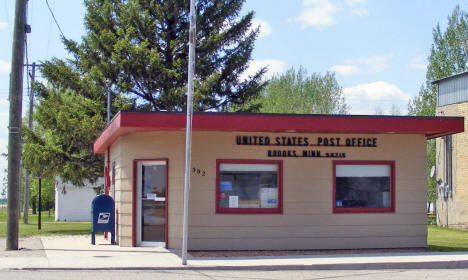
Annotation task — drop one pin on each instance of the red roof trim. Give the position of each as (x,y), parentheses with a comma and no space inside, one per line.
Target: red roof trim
(131,122)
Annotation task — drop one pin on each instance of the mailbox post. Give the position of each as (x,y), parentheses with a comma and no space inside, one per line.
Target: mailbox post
(103,216)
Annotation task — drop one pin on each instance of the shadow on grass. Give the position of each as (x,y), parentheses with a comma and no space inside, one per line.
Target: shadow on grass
(59,228)
(66,232)
(50,228)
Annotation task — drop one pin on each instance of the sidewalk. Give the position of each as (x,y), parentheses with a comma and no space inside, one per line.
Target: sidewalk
(76,252)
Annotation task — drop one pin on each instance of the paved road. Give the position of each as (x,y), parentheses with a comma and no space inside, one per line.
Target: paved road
(445,274)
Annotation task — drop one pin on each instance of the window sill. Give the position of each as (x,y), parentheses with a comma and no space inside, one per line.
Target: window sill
(363,210)
(249,211)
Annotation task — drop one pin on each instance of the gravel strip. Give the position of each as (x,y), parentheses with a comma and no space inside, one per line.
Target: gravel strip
(258,253)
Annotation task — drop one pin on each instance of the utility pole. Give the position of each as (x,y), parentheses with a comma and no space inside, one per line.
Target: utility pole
(188,132)
(40,204)
(14,137)
(30,125)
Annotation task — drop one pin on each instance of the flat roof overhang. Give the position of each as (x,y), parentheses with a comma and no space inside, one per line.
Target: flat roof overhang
(130,122)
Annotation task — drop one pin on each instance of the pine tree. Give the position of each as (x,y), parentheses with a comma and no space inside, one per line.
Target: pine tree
(60,143)
(137,52)
(139,49)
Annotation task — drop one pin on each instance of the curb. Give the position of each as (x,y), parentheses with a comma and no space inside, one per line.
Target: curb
(344,266)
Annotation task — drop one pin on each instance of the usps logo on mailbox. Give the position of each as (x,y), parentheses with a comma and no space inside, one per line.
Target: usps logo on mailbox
(103,218)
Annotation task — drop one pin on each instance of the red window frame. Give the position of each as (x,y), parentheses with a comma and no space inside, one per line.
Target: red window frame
(278,210)
(390,209)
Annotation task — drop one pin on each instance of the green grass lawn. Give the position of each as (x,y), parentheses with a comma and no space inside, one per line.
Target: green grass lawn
(444,239)
(438,238)
(48,225)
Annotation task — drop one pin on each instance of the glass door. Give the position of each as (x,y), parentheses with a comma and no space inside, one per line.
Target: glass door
(152,184)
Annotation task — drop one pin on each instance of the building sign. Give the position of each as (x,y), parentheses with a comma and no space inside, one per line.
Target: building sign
(280,142)
(304,153)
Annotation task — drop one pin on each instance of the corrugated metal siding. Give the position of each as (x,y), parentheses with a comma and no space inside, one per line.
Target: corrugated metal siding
(454,90)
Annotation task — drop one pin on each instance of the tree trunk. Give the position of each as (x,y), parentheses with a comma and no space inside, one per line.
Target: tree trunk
(33,204)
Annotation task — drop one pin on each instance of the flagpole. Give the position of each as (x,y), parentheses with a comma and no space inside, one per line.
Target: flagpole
(188,133)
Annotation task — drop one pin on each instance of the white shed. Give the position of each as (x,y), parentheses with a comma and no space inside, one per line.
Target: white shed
(73,203)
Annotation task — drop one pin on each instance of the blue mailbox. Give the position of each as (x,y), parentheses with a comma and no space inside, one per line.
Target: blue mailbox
(103,215)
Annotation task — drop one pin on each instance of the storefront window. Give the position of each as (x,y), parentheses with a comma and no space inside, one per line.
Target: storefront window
(249,187)
(363,186)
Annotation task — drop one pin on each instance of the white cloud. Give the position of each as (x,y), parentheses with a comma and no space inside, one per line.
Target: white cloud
(4,101)
(274,67)
(365,98)
(265,28)
(345,70)
(3,124)
(418,63)
(3,25)
(353,3)
(5,67)
(356,9)
(317,13)
(375,91)
(360,12)
(372,64)
(375,63)
(3,138)
(3,119)
(3,149)
(417,66)
(321,13)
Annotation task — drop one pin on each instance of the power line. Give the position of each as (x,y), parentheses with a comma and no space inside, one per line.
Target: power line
(53,16)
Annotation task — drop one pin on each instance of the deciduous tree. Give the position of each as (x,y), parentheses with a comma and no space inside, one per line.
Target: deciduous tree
(449,55)
(297,92)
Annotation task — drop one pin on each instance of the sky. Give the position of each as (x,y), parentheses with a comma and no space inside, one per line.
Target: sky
(377,48)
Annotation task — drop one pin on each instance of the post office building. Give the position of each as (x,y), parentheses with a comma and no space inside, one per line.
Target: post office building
(271,182)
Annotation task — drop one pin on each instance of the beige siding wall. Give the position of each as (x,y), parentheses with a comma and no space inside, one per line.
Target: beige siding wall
(453,211)
(307,221)
(145,146)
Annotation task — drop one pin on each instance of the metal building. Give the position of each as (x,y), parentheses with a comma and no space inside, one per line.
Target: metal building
(452,89)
